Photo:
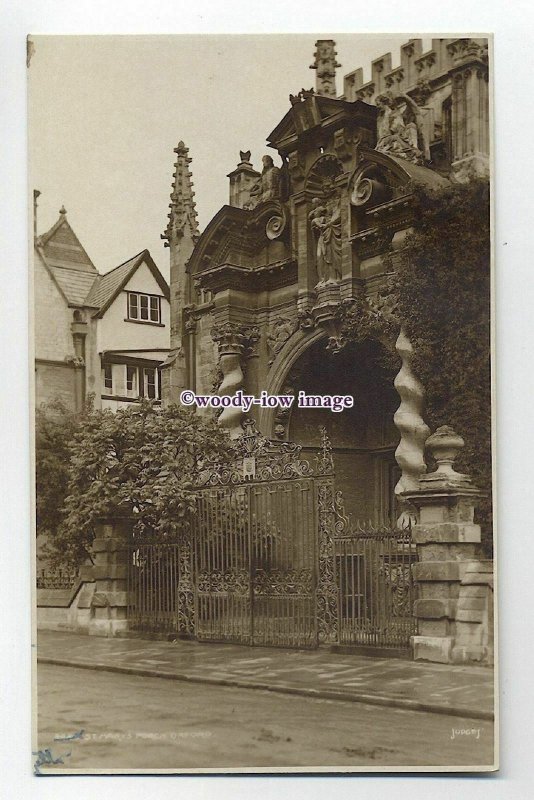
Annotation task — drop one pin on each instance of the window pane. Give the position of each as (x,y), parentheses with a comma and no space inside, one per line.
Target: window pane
(150,383)
(144,306)
(131,381)
(154,309)
(132,306)
(108,377)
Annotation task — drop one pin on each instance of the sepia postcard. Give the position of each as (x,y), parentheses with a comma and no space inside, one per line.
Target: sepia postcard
(262,382)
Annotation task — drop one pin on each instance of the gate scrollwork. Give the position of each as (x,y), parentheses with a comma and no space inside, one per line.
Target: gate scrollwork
(186,591)
(327,591)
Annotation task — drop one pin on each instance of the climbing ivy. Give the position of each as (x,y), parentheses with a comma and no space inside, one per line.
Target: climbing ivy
(439,292)
(443,301)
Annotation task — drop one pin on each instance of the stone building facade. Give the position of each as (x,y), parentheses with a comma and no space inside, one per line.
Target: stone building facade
(255,297)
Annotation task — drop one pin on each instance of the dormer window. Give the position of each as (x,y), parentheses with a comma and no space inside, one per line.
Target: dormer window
(144,307)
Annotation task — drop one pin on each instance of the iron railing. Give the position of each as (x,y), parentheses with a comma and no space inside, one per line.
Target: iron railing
(56,579)
(152,584)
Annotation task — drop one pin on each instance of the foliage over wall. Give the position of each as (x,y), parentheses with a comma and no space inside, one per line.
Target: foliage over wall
(139,461)
(54,430)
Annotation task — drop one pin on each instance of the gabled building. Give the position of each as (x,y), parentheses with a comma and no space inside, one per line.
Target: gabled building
(105,335)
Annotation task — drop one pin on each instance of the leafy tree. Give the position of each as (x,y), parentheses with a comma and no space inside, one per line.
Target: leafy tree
(55,425)
(138,461)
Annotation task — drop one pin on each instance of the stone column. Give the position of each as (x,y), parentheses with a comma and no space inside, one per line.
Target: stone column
(110,600)
(447,543)
(410,424)
(233,341)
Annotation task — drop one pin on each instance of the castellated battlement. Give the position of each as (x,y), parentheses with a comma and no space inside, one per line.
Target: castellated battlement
(416,68)
(449,84)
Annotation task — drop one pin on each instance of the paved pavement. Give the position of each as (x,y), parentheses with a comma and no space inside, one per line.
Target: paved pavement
(465,691)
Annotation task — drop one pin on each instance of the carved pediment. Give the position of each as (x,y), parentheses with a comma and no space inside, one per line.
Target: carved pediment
(309,111)
(237,236)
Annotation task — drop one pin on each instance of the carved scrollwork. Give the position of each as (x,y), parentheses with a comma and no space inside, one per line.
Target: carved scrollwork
(281,329)
(369,187)
(275,227)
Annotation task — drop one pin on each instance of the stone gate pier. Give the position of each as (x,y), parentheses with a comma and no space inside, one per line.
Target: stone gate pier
(454,609)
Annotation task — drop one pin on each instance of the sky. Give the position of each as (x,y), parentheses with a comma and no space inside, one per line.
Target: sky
(105,113)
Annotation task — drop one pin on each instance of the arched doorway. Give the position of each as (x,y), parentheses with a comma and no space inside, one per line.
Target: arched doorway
(364,437)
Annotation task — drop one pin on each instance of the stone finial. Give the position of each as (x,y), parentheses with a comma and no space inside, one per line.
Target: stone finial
(244,157)
(325,63)
(62,211)
(444,445)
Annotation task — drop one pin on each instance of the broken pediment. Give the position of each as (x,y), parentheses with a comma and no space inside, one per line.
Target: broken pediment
(380,178)
(244,238)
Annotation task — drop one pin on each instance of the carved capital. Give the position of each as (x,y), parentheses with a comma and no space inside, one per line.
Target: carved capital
(234,338)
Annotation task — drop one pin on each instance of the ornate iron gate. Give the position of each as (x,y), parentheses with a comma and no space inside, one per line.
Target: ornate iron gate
(254,563)
(376,590)
(270,558)
(153,580)
(256,569)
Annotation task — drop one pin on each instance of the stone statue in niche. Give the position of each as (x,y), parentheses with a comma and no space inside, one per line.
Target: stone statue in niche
(325,223)
(268,186)
(400,128)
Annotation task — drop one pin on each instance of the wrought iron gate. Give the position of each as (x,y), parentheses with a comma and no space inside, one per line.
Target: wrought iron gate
(255,563)
(376,590)
(153,581)
(270,558)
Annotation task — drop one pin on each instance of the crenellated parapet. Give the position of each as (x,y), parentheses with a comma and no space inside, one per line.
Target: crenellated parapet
(449,84)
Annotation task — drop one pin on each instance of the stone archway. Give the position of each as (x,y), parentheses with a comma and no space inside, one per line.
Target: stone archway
(364,438)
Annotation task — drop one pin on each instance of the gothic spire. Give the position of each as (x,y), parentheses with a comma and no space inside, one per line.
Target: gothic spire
(183,215)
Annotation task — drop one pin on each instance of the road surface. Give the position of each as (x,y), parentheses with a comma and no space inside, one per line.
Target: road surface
(132,722)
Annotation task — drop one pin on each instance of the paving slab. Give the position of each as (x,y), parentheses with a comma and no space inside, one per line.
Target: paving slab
(466,691)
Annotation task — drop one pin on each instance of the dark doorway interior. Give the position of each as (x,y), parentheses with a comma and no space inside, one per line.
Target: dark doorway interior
(364,438)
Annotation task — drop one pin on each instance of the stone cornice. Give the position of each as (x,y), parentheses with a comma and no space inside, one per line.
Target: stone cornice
(257,279)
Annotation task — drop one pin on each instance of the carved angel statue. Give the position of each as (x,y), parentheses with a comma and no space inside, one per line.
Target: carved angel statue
(325,222)
(400,128)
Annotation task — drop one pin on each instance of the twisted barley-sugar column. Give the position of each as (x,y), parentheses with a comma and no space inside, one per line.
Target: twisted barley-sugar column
(230,363)
(234,341)
(409,421)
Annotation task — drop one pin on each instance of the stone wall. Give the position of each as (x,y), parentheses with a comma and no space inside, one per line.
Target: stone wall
(97,604)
